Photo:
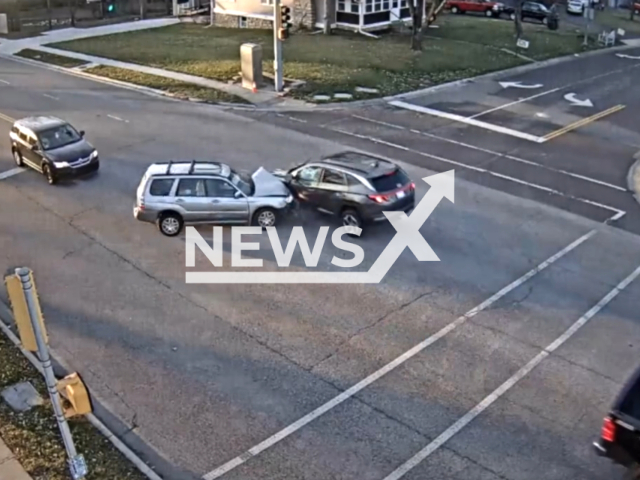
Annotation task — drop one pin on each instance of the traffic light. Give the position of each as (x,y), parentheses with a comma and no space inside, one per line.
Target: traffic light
(72,389)
(285,22)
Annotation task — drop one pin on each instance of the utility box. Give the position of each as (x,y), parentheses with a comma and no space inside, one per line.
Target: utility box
(251,63)
(4,24)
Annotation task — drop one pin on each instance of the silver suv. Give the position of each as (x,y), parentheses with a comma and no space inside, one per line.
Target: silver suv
(177,193)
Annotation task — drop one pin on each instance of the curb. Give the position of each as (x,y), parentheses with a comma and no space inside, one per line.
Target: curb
(145,469)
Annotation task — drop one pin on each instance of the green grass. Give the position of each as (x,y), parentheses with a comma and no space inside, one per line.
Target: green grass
(175,87)
(51,58)
(611,18)
(34,438)
(340,62)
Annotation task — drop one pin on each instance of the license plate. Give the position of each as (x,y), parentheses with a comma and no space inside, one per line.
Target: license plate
(400,194)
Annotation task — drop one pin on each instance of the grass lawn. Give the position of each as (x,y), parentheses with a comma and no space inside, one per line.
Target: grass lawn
(619,18)
(464,46)
(175,87)
(52,58)
(34,438)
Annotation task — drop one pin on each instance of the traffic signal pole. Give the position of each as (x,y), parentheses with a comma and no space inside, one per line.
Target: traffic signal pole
(277,46)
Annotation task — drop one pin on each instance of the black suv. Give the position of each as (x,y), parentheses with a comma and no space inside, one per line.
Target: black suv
(353,186)
(620,435)
(52,147)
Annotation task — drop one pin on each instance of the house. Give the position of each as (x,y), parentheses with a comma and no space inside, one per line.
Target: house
(358,15)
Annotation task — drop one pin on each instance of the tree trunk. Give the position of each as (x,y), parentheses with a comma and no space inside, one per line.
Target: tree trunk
(72,12)
(518,19)
(143,9)
(211,13)
(632,10)
(325,20)
(416,7)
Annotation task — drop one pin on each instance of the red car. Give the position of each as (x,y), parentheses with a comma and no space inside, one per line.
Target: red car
(636,7)
(487,7)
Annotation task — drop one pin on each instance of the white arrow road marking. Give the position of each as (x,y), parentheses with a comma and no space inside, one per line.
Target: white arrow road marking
(571,97)
(12,172)
(519,85)
(622,55)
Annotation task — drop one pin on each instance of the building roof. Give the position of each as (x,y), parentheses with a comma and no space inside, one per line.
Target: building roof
(39,123)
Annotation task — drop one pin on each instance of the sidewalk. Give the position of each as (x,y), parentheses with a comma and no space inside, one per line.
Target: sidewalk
(10,469)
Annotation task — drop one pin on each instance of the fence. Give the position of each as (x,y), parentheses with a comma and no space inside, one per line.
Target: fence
(33,16)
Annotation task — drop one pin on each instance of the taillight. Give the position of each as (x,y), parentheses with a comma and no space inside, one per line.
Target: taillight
(379,198)
(412,186)
(608,433)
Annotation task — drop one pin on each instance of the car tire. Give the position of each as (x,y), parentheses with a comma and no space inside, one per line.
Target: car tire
(265,217)
(545,20)
(351,218)
(455,10)
(632,473)
(512,16)
(488,13)
(48,174)
(17,157)
(170,224)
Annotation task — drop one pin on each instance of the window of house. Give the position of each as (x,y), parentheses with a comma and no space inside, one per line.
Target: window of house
(242,22)
(341,7)
(355,7)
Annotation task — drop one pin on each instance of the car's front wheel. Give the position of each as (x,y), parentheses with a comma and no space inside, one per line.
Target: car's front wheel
(48,173)
(512,16)
(170,224)
(489,13)
(351,220)
(265,217)
(455,10)
(17,158)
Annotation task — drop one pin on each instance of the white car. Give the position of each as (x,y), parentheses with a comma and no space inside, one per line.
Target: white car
(576,6)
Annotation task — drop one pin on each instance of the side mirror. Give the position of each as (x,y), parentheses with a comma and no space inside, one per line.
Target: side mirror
(82,133)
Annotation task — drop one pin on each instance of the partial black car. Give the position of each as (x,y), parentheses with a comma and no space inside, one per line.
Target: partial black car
(352,186)
(620,434)
(52,147)
(532,10)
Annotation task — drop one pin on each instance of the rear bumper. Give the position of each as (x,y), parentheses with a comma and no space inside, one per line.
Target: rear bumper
(613,452)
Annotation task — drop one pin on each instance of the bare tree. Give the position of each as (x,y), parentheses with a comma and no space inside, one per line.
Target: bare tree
(517,20)
(423,14)
(325,19)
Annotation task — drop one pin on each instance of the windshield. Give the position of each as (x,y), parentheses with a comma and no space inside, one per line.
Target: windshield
(242,185)
(58,137)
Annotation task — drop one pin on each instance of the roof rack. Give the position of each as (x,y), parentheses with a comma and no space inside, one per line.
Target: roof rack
(192,166)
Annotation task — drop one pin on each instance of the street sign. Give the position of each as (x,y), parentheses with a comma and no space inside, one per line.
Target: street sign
(79,468)
(521,43)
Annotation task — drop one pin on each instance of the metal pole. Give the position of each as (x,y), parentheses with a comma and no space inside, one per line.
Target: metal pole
(277,47)
(76,462)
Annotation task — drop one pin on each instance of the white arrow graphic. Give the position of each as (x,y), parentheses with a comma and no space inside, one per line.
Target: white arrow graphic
(571,97)
(407,235)
(622,55)
(519,85)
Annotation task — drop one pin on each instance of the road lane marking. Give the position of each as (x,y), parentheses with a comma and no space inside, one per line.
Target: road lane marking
(497,154)
(510,383)
(582,122)
(294,427)
(118,118)
(4,81)
(617,213)
(50,96)
(12,172)
(516,102)
(468,121)
(6,118)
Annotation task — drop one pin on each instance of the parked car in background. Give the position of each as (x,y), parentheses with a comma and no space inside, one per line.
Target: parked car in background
(576,6)
(636,7)
(486,7)
(532,10)
(620,434)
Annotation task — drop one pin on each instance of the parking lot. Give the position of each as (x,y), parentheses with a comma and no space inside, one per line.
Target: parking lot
(497,362)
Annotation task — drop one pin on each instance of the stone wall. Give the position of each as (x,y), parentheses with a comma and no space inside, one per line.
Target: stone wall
(304,13)
(232,21)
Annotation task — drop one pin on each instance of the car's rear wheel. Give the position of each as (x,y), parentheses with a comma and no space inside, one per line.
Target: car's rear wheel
(632,473)
(170,224)
(17,158)
(455,10)
(512,16)
(351,220)
(489,13)
(265,217)
(46,171)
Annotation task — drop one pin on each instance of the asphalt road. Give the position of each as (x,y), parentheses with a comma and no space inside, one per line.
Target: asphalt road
(466,362)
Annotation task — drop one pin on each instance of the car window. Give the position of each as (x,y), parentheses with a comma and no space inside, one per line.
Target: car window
(309,175)
(32,141)
(353,181)
(333,177)
(191,187)
(390,181)
(58,137)
(245,186)
(220,188)
(23,136)
(161,187)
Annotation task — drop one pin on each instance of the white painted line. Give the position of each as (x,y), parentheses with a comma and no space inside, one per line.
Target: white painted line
(294,119)
(4,81)
(50,96)
(294,427)
(468,121)
(510,383)
(497,154)
(118,118)
(12,172)
(481,170)
(617,216)
(510,104)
